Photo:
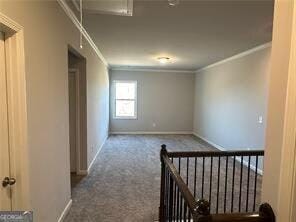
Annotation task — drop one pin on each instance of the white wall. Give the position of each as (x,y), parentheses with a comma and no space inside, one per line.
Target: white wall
(229,98)
(48,32)
(164,98)
(97,106)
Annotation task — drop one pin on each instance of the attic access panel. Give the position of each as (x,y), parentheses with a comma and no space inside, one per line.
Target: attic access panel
(118,7)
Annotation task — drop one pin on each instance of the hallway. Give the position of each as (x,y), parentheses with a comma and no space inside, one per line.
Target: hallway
(124,182)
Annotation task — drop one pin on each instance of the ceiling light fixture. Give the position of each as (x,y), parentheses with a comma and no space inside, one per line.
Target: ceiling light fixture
(173,2)
(163,60)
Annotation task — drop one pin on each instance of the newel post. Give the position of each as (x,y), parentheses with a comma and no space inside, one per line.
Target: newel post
(265,211)
(201,212)
(162,206)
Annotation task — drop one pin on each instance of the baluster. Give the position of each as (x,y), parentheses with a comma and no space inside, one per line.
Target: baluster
(211,176)
(225,193)
(233,178)
(187,182)
(189,215)
(240,184)
(203,177)
(175,199)
(162,185)
(218,185)
(179,171)
(179,166)
(181,208)
(171,198)
(166,194)
(187,171)
(185,211)
(248,184)
(194,192)
(178,209)
(255,186)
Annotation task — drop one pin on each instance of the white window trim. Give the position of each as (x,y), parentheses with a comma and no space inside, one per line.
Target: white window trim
(136,100)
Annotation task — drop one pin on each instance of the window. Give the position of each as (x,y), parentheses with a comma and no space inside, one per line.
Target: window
(125,99)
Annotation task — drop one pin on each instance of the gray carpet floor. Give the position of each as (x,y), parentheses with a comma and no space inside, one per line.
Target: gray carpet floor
(124,183)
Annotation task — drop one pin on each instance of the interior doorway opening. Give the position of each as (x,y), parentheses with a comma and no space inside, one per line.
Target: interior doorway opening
(77,116)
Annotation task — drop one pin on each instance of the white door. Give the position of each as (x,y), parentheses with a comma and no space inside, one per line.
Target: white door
(5,188)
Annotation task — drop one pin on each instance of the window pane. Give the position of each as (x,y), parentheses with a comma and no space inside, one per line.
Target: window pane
(125,90)
(125,108)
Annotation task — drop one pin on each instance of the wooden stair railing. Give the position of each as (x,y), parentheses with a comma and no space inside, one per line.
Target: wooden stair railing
(177,203)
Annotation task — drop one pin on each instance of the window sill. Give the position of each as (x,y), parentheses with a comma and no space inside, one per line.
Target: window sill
(125,118)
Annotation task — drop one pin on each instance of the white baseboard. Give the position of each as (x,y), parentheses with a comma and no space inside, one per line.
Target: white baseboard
(82,172)
(99,150)
(65,211)
(152,132)
(245,163)
(210,142)
(86,172)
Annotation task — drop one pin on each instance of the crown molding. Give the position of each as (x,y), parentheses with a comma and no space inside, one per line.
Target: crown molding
(76,22)
(240,55)
(150,70)
(10,24)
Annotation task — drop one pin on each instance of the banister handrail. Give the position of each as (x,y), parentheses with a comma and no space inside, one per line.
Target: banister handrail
(216,153)
(200,208)
(192,203)
(197,208)
(265,214)
(194,206)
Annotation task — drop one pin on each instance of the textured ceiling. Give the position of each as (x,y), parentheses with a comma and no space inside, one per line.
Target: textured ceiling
(193,33)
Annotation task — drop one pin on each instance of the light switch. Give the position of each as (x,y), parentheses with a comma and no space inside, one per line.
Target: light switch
(260,119)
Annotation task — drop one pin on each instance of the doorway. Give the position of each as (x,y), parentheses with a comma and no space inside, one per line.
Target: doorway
(77,116)
(74,120)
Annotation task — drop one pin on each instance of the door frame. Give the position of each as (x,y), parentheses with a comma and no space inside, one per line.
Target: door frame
(287,187)
(78,132)
(17,109)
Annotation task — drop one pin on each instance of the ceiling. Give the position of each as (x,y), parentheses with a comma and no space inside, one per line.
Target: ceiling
(195,33)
